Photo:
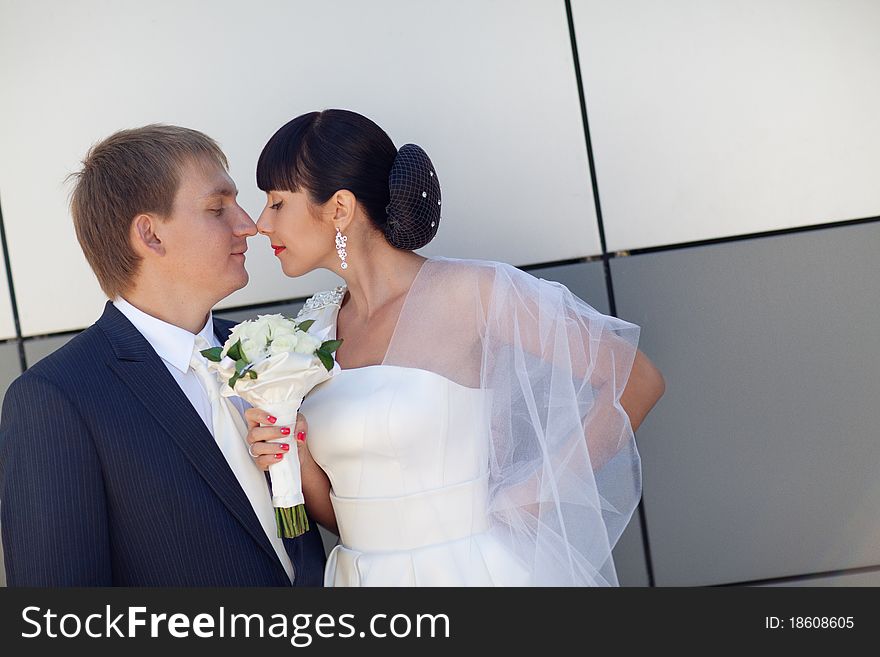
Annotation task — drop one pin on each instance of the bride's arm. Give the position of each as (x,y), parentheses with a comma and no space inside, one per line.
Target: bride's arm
(583,345)
(316,489)
(643,390)
(644,387)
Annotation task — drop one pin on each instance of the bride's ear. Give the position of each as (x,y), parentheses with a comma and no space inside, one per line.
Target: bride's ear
(344,206)
(143,236)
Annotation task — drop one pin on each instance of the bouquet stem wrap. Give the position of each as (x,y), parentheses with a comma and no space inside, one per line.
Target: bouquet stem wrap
(281,383)
(287,497)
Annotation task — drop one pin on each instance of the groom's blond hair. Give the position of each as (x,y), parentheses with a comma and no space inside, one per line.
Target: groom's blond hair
(131,172)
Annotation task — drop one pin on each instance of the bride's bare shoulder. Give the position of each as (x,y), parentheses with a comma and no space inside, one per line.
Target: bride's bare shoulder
(466,280)
(465,273)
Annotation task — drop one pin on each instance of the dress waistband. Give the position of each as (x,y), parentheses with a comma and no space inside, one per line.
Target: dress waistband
(387,524)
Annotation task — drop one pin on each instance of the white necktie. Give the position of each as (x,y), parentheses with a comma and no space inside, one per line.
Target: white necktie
(229,429)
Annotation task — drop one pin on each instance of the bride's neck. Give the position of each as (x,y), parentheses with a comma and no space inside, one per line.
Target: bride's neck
(380,279)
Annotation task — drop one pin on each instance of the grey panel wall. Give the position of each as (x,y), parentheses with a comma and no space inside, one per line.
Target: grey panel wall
(586,280)
(289,309)
(38,348)
(761,460)
(10,368)
(10,365)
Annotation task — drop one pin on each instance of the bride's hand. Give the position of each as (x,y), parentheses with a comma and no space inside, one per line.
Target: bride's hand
(266,453)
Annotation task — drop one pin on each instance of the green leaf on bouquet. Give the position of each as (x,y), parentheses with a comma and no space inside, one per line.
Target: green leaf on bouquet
(234,379)
(212,354)
(252,374)
(240,365)
(325,358)
(331,345)
(306,325)
(235,351)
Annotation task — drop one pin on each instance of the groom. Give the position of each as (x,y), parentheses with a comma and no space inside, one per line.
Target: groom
(110,474)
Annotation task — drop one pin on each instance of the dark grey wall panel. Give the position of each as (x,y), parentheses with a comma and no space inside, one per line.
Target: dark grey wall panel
(762,459)
(328,538)
(10,365)
(38,348)
(289,309)
(10,368)
(629,555)
(586,280)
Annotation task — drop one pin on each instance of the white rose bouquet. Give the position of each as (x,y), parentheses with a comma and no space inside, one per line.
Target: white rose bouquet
(272,362)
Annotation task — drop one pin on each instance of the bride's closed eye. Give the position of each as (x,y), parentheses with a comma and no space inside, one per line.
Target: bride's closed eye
(277,205)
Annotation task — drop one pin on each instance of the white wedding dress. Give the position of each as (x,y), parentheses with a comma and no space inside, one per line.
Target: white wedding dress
(490,447)
(406,451)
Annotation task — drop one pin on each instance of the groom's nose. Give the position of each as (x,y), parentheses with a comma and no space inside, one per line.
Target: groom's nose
(245,226)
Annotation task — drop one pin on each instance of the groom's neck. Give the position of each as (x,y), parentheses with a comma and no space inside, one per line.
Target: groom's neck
(171,304)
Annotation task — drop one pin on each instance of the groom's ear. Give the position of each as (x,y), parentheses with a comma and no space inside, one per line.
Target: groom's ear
(344,206)
(144,237)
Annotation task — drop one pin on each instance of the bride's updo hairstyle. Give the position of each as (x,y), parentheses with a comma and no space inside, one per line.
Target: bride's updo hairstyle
(323,152)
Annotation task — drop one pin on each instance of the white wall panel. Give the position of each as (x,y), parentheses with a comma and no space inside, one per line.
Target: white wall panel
(711,119)
(487,87)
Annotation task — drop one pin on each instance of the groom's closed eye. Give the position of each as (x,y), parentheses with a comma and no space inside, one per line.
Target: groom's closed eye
(217,196)
(276,206)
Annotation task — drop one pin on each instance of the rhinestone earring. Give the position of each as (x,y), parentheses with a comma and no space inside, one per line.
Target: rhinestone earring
(340,247)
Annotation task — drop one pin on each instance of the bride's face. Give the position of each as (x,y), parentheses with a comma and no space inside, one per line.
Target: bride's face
(301,237)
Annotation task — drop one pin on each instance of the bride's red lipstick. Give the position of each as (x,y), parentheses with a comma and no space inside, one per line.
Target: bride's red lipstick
(278,249)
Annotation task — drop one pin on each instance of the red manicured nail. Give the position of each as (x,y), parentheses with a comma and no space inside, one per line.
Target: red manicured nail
(301,436)
(271,419)
(278,456)
(285,448)
(285,431)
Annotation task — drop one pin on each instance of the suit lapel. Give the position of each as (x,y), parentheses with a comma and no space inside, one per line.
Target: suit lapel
(222,328)
(141,369)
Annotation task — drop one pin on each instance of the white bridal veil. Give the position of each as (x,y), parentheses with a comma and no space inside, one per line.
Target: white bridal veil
(563,469)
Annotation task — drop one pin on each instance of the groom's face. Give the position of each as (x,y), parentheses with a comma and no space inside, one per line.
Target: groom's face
(205,238)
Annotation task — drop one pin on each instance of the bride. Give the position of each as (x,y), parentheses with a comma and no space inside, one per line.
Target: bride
(478,429)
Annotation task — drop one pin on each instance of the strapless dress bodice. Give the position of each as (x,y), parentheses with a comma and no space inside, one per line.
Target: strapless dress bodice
(406,451)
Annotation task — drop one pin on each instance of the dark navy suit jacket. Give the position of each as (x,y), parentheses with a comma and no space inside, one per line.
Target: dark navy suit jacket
(109,477)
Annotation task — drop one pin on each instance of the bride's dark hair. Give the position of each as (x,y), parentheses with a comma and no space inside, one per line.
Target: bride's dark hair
(323,152)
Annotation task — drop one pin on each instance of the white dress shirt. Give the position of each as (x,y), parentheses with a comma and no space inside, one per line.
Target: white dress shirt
(174,346)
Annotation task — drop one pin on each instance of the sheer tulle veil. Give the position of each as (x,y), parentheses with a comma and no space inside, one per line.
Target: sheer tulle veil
(564,472)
